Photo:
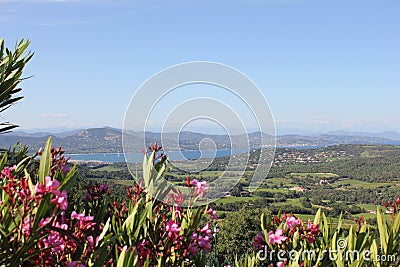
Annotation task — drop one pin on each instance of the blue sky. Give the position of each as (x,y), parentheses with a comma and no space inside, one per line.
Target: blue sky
(322,65)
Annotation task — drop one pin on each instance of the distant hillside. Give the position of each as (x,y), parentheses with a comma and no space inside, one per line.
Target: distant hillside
(107,140)
(95,140)
(392,135)
(41,134)
(329,140)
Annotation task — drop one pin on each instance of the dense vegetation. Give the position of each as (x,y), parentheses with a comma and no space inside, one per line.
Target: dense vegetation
(354,178)
(44,222)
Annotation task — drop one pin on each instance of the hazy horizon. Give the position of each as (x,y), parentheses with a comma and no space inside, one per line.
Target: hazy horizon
(203,131)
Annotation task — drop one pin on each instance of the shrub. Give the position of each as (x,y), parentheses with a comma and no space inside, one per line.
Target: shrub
(236,233)
(288,241)
(43,225)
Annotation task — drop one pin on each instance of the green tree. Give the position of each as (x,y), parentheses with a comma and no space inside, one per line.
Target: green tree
(237,232)
(12,64)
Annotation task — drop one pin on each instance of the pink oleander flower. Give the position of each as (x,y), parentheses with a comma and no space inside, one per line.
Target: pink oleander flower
(312,231)
(206,229)
(62,226)
(81,217)
(44,222)
(60,199)
(312,228)
(55,241)
(39,189)
(87,197)
(75,264)
(78,216)
(104,188)
(24,193)
(280,264)
(259,241)
(26,226)
(213,214)
(292,221)
(84,222)
(193,236)
(144,249)
(178,198)
(193,249)
(6,172)
(51,184)
(199,187)
(172,228)
(276,237)
(65,169)
(91,242)
(204,243)
(311,238)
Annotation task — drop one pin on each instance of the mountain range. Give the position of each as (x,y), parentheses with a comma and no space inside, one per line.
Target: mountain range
(109,140)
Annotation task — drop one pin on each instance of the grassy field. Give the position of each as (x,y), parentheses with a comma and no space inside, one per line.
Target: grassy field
(357,183)
(291,202)
(312,174)
(226,200)
(278,187)
(110,168)
(270,190)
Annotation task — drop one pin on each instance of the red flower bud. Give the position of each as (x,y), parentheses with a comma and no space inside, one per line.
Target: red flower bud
(187,182)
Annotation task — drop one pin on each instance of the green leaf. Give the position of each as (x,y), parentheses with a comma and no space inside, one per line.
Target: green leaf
(45,161)
(44,207)
(3,160)
(375,254)
(350,239)
(296,238)
(121,259)
(12,65)
(105,229)
(68,181)
(317,218)
(30,184)
(383,234)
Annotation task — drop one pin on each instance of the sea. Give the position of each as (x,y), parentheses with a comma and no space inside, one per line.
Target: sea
(172,155)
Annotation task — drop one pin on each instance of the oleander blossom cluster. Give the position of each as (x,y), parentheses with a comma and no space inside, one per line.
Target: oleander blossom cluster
(61,232)
(51,225)
(172,240)
(183,234)
(393,207)
(281,232)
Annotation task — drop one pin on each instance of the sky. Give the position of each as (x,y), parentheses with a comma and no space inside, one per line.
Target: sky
(322,65)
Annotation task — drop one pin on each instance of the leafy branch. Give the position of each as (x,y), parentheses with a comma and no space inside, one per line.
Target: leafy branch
(12,64)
